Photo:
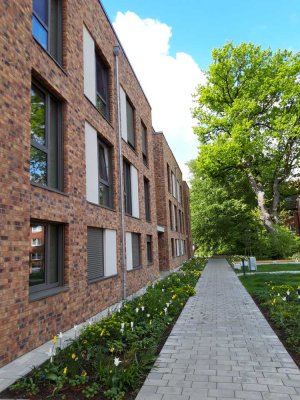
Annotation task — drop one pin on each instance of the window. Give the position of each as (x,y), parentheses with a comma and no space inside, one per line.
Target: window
(173,184)
(135,250)
(131,190)
(127,188)
(179,220)
(105,176)
(127,119)
(36,242)
(95,254)
(130,124)
(46,139)
(175,219)
(47,26)
(101,253)
(173,247)
(46,265)
(144,144)
(168,177)
(149,249)
(102,87)
(170,215)
(147,200)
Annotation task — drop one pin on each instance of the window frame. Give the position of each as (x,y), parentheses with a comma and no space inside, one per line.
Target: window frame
(99,59)
(149,240)
(59,44)
(144,143)
(45,287)
(147,199)
(127,188)
(109,182)
(45,148)
(132,145)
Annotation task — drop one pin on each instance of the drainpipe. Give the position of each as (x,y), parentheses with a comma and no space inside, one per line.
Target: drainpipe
(121,180)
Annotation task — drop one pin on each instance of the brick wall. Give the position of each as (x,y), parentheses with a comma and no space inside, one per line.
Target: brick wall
(27,324)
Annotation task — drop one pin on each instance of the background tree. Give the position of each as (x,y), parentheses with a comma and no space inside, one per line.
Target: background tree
(248,116)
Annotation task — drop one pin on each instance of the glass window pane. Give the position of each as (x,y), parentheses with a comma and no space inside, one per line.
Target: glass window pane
(103,164)
(53,254)
(135,250)
(38,166)
(37,255)
(53,145)
(39,32)
(56,30)
(104,195)
(130,124)
(38,116)
(40,7)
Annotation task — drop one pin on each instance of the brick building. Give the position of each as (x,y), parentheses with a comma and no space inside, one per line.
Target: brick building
(292,205)
(75,237)
(172,204)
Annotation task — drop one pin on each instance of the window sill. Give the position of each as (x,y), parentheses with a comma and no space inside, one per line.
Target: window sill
(103,116)
(52,58)
(101,206)
(47,293)
(135,268)
(133,149)
(49,189)
(103,278)
(131,216)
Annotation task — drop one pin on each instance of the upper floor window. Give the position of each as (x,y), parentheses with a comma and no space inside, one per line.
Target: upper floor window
(131,191)
(144,144)
(168,177)
(147,199)
(105,180)
(102,87)
(127,119)
(47,26)
(46,139)
(98,155)
(96,75)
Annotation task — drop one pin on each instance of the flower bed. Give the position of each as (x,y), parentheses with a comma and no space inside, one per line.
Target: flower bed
(279,298)
(111,358)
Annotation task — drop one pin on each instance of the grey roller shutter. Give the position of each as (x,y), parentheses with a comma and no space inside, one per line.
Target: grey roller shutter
(135,250)
(95,267)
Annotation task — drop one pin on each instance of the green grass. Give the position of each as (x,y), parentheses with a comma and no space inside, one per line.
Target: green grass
(278,267)
(278,298)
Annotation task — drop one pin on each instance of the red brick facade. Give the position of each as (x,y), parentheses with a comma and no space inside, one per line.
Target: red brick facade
(171,200)
(27,323)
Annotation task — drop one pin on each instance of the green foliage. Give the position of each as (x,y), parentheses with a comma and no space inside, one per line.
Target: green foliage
(279,295)
(113,356)
(248,127)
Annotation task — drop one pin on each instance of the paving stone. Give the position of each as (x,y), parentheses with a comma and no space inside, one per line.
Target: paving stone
(221,347)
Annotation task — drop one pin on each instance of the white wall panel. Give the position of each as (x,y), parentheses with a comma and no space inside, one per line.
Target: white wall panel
(91,162)
(110,252)
(134,192)
(128,251)
(89,66)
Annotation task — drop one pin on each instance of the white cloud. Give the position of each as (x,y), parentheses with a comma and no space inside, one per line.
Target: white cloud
(168,81)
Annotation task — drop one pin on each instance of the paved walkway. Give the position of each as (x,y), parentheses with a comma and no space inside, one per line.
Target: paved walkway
(222,348)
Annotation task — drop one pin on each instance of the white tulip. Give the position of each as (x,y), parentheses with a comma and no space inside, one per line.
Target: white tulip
(117,361)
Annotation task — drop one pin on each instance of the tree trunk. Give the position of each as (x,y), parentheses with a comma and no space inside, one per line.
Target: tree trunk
(265,216)
(276,200)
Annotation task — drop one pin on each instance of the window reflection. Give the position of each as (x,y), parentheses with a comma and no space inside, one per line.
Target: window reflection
(37,255)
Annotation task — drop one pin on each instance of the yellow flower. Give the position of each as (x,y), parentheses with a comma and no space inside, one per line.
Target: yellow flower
(54,339)
(174,296)
(65,371)
(73,356)
(83,373)
(112,349)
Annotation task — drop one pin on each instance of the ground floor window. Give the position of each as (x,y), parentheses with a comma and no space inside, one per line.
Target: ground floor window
(46,256)
(149,249)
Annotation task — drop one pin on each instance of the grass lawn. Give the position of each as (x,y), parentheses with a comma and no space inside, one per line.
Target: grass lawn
(278,267)
(278,298)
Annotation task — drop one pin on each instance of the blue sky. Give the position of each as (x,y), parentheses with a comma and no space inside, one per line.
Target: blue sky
(169,45)
(198,26)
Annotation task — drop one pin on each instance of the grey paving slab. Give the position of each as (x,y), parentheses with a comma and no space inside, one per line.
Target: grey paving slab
(222,347)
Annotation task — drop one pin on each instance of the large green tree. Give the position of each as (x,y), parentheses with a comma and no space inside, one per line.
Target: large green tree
(248,115)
